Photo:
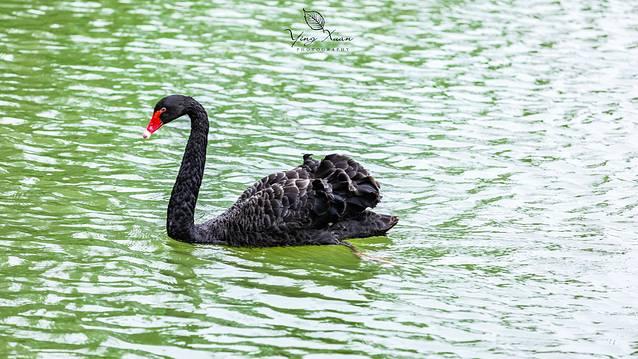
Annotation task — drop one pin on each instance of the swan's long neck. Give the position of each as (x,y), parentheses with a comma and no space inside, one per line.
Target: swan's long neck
(180,220)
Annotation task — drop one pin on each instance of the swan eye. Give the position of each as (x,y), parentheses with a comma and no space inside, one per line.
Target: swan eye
(162,110)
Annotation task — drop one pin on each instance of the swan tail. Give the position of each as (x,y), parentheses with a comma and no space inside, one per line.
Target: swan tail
(367,224)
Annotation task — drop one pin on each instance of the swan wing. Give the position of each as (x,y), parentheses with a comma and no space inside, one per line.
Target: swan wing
(273,215)
(286,207)
(275,178)
(305,171)
(349,186)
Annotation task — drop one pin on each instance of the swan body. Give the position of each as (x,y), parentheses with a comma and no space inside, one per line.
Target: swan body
(318,202)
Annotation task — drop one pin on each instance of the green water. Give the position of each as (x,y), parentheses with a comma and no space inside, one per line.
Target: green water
(504,134)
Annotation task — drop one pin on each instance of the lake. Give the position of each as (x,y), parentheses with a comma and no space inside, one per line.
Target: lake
(504,136)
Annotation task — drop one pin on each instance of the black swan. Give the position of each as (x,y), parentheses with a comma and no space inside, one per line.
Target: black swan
(319,202)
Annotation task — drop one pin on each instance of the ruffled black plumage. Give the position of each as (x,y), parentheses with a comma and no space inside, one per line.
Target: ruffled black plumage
(319,202)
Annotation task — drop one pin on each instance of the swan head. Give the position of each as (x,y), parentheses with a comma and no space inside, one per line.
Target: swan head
(166,110)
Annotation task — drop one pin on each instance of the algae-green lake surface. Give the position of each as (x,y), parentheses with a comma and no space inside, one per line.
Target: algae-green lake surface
(504,135)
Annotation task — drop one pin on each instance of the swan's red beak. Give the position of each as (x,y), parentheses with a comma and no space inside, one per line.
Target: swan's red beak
(153,125)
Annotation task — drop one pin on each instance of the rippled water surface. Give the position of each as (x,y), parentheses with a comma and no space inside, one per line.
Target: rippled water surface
(505,136)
